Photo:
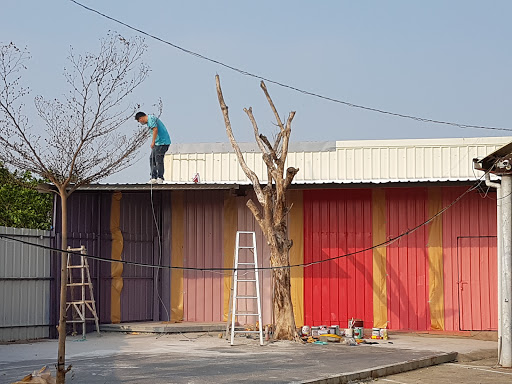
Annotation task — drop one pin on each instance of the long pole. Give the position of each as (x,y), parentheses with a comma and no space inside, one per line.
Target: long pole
(499,232)
(506,272)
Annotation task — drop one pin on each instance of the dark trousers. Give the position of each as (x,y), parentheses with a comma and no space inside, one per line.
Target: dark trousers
(156,161)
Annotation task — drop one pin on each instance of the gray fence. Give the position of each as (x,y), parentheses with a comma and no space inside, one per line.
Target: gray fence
(24,285)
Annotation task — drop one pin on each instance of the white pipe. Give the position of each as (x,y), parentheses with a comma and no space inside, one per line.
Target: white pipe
(499,218)
(506,298)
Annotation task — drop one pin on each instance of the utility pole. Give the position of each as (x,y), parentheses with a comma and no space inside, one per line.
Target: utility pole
(500,164)
(506,272)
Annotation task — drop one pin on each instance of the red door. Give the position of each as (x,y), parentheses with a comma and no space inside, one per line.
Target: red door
(478,287)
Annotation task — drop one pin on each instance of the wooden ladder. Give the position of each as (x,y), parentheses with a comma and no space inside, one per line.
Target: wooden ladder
(84,302)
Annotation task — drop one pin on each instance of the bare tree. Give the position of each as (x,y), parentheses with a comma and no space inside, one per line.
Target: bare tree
(82,141)
(271,217)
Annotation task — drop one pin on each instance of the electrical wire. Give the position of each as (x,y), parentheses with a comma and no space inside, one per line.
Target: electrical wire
(303,265)
(160,254)
(246,73)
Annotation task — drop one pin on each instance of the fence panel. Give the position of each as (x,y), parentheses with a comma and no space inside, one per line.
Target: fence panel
(24,285)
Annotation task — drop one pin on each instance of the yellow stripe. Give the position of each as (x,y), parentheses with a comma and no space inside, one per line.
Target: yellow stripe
(116,269)
(380,303)
(177,241)
(230,227)
(435,260)
(296,230)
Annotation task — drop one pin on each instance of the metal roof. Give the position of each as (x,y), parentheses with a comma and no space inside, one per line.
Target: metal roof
(157,187)
(340,162)
(498,162)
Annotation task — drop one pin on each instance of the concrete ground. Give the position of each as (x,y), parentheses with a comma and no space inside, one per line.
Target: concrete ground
(206,358)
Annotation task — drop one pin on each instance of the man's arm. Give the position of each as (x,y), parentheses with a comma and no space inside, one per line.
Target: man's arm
(155,134)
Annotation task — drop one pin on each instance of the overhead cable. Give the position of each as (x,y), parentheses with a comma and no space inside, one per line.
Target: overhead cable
(246,73)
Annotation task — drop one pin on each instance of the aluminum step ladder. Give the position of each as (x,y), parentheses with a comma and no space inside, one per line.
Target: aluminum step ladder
(79,306)
(251,276)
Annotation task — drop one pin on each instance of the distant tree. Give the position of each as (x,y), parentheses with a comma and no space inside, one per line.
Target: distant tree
(272,199)
(21,206)
(84,139)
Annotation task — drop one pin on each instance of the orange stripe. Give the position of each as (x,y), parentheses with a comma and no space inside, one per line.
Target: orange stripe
(380,300)
(177,241)
(116,269)
(435,260)
(296,230)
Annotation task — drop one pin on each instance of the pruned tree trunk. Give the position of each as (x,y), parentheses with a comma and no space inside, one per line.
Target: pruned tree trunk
(271,217)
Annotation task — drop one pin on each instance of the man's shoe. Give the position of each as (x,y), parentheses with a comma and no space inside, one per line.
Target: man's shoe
(159,181)
(152,181)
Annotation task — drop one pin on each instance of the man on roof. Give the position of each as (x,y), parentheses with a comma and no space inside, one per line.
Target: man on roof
(160,142)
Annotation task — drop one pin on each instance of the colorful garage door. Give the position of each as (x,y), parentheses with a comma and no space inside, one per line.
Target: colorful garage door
(336,223)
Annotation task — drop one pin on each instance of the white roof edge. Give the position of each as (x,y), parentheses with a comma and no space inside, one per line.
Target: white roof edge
(327,146)
(317,182)
(424,142)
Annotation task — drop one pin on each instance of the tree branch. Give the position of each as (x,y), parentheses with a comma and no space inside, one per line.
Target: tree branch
(248,172)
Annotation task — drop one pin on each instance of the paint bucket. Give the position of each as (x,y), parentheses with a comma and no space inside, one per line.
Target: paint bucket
(376,333)
(358,332)
(349,332)
(314,331)
(334,329)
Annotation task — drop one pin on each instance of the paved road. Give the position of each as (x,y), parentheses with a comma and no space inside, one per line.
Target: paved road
(204,358)
(474,372)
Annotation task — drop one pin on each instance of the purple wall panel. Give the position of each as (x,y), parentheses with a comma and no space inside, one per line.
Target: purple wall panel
(139,237)
(88,225)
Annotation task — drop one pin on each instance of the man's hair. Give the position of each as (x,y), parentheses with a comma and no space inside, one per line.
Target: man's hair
(138,115)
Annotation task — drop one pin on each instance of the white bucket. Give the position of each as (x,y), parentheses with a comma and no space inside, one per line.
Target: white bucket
(349,332)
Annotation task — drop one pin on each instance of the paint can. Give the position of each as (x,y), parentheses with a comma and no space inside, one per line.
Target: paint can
(358,332)
(376,333)
(334,329)
(314,331)
(349,332)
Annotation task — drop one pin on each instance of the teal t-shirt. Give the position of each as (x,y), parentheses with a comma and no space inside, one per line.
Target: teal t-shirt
(162,137)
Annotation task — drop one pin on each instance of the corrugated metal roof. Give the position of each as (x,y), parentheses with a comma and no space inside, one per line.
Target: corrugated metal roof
(361,161)
(167,185)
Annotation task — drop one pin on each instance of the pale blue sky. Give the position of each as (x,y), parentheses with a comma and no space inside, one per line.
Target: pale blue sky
(442,60)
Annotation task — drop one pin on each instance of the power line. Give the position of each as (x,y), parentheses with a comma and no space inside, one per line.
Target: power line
(246,73)
(383,244)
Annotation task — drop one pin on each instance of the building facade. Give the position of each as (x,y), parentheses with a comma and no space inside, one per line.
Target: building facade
(401,234)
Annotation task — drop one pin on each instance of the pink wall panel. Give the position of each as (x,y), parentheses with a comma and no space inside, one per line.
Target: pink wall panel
(477,276)
(469,231)
(407,259)
(337,222)
(203,291)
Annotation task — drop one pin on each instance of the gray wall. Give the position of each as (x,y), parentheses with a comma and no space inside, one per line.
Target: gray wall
(24,285)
